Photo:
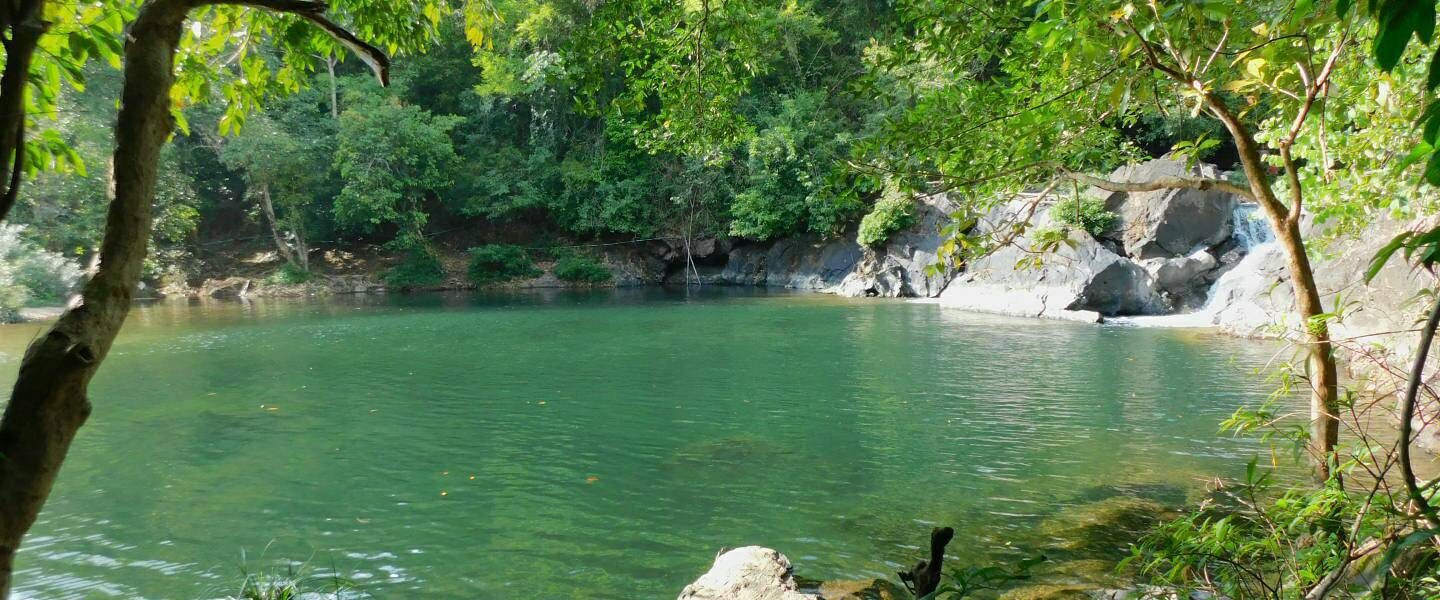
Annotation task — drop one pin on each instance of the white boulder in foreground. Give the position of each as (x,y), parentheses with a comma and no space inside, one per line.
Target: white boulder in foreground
(749,573)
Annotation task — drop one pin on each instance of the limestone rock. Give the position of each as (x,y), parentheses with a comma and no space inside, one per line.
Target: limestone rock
(749,573)
(841,266)
(1080,282)
(1167,223)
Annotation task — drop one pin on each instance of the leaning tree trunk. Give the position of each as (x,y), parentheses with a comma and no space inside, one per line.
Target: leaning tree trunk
(25,22)
(49,402)
(268,206)
(1320,355)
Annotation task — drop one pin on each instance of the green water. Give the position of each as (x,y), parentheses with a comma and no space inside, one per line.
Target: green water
(604,445)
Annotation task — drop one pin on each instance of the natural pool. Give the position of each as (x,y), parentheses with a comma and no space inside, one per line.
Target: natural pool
(606,444)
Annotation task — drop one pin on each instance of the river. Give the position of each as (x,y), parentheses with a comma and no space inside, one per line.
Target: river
(605,444)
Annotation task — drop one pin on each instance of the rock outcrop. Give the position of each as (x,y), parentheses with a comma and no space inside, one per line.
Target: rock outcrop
(1162,255)
(749,573)
(836,266)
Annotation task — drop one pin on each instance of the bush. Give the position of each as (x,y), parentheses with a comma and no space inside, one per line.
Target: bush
(30,275)
(1086,213)
(895,210)
(498,263)
(419,270)
(581,269)
(289,274)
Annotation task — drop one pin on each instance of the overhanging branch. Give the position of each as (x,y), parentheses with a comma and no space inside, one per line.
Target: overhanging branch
(1160,183)
(314,12)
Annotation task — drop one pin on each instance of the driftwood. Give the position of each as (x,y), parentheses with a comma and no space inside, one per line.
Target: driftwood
(925,577)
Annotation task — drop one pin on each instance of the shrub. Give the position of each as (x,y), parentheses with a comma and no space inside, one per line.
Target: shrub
(497,263)
(1086,213)
(895,210)
(31,275)
(581,269)
(420,269)
(289,274)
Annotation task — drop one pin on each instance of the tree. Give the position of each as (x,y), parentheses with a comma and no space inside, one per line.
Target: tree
(393,157)
(1010,96)
(49,402)
(285,164)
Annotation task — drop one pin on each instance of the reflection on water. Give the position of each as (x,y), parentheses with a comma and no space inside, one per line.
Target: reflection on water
(606,444)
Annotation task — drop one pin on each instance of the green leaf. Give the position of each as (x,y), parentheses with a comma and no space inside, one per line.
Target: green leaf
(1434,79)
(1432,169)
(1383,256)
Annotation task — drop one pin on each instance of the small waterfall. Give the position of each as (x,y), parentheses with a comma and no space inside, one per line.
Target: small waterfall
(1253,234)
(1250,228)
(1230,292)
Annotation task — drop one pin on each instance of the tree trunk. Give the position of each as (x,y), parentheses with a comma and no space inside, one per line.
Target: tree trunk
(302,249)
(49,402)
(1323,373)
(26,24)
(268,206)
(334,91)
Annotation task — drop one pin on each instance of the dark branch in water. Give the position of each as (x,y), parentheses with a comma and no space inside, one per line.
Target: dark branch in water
(925,577)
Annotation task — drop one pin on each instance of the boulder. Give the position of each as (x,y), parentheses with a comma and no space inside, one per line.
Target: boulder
(1085,281)
(1168,223)
(749,573)
(842,266)
(912,251)
(1184,281)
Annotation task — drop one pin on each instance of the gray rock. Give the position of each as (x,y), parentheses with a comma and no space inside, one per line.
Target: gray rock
(1184,281)
(841,266)
(1168,223)
(1075,283)
(749,573)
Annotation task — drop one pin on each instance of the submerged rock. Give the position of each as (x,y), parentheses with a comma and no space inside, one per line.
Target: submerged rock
(863,589)
(1104,528)
(749,573)
(1048,592)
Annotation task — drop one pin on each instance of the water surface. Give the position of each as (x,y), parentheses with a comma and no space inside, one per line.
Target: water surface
(604,445)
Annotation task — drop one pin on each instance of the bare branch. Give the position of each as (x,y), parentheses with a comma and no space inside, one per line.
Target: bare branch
(1160,183)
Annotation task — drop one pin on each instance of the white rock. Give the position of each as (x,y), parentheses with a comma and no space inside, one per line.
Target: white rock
(749,573)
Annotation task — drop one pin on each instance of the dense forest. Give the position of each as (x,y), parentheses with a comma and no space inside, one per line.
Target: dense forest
(544,134)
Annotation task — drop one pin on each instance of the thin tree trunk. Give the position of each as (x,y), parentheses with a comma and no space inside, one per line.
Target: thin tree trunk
(1320,355)
(302,249)
(334,90)
(49,402)
(26,25)
(268,206)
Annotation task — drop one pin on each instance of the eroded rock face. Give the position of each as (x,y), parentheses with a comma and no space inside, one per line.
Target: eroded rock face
(1083,282)
(749,573)
(840,266)
(1163,255)
(1168,223)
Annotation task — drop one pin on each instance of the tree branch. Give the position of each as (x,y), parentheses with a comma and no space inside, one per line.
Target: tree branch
(1292,176)
(1160,183)
(314,12)
(1412,391)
